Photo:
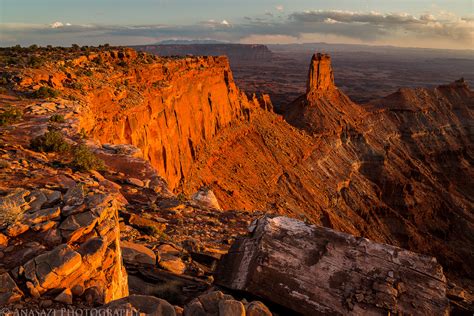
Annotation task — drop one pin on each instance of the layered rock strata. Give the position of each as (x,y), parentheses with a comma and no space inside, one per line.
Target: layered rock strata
(317,271)
(169,108)
(61,239)
(397,171)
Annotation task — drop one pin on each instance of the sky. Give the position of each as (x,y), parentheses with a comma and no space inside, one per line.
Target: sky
(407,23)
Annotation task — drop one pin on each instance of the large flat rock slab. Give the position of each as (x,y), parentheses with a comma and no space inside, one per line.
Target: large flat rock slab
(317,271)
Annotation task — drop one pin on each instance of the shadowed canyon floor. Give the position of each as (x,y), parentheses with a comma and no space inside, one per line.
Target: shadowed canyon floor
(194,160)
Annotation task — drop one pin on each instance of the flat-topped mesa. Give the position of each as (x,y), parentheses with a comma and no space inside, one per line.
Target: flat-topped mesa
(320,77)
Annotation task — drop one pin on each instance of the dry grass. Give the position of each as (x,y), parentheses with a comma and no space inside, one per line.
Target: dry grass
(10,212)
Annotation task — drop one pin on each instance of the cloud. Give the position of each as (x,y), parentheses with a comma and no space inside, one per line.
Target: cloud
(330,21)
(441,30)
(58,24)
(375,25)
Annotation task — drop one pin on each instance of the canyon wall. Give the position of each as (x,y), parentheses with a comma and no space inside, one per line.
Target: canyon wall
(169,108)
(398,170)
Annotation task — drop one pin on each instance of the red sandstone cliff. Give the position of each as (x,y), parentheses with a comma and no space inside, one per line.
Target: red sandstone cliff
(320,77)
(168,108)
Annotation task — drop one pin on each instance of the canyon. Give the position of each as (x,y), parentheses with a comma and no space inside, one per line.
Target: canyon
(396,170)
(364,73)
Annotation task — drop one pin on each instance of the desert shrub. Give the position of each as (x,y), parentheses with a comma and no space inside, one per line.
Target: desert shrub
(82,134)
(98,60)
(76,86)
(72,97)
(36,61)
(10,212)
(4,164)
(13,60)
(10,115)
(84,72)
(122,64)
(151,230)
(84,159)
(181,197)
(45,93)
(57,118)
(51,141)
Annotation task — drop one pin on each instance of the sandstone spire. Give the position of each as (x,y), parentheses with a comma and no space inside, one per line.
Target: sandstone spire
(320,77)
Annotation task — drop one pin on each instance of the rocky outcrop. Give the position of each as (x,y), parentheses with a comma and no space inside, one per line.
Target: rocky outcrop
(206,198)
(218,303)
(68,240)
(320,77)
(140,305)
(315,270)
(324,109)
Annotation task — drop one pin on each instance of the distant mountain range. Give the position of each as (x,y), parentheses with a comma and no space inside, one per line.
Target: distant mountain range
(189,42)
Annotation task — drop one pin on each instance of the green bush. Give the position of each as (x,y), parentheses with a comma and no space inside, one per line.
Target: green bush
(36,61)
(45,93)
(76,86)
(98,60)
(10,115)
(51,141)
(13,60)
(181,197)
(57,118)
(84,159)
(82,134)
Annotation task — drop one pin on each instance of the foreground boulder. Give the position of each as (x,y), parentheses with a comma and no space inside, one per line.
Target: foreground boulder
(218,303)
(69,247)
(140,305)
(315,270)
